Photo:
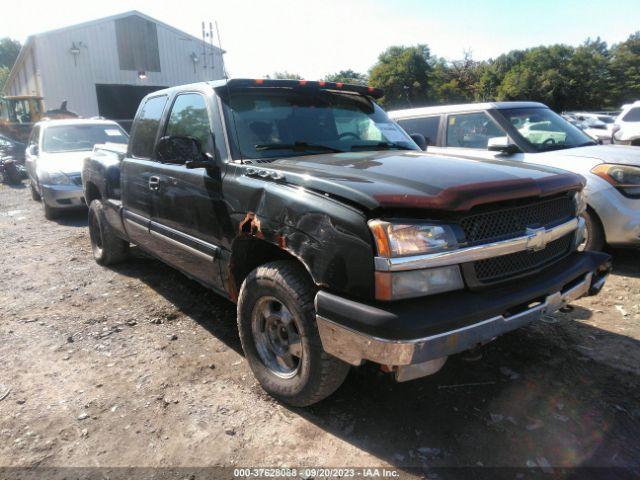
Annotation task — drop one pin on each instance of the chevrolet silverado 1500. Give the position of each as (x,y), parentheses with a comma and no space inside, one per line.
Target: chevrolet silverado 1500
(338,238)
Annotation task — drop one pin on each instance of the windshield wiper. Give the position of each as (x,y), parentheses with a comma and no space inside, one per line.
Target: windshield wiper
(379,146)
(296,146)
(588,144)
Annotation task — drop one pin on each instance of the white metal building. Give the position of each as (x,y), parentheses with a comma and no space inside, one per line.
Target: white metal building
(105,66)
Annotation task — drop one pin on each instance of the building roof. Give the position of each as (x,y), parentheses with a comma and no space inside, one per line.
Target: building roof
(29,41)
(466,107)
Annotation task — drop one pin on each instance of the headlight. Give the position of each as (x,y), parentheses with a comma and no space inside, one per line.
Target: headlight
(417,283)
(56,178)
(402,239)
(625,178)
(406,239)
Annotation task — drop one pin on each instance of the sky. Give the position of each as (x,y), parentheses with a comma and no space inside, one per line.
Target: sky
(316,37)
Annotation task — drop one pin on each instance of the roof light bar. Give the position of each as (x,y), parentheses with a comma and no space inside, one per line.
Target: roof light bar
(267,82)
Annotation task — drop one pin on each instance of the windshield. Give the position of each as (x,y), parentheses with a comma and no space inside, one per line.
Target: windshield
(276,122)
(545,130)
(72,138)
(606,119)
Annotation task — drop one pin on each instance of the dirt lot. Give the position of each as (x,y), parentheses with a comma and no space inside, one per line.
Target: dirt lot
(139,366)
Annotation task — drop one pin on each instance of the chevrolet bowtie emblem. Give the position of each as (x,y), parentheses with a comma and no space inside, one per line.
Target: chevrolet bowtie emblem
(536,239)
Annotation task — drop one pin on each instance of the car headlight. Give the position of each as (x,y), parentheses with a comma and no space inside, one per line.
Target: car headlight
(56,178)
(626,178)
(403,239)
(406,239)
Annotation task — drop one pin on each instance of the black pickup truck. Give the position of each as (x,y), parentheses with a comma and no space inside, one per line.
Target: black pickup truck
(338,238)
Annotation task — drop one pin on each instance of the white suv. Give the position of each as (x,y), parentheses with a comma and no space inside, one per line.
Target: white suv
(530,132)
(626,130)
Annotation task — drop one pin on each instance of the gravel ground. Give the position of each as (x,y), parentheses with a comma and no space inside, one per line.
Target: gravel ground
(139,366)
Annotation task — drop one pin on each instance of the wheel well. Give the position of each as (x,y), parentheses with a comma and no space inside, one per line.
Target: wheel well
(91,193)
(248,254)
(596,217)
(635,142)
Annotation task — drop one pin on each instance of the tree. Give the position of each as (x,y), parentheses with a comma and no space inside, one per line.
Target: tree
(348,76)
(404,75)
(284,76)
(9,50)
(589,76)
(625,71)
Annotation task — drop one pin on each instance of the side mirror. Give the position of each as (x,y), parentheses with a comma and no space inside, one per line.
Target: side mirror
(185,151)
(502,145)
(420,140)
(33,150)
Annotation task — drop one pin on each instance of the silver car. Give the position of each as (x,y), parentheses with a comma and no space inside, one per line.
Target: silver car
(54,156)
(530,132)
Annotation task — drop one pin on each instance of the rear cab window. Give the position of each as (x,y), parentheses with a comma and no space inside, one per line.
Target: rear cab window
(425,126)
(145,127)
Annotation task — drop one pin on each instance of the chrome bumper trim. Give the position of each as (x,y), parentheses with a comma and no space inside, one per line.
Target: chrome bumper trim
(353,347)
(533,241)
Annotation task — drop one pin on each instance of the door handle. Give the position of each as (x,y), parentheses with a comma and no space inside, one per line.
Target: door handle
(154,183)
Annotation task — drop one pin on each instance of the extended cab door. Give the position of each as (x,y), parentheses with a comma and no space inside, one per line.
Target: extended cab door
(190,215)
(139,171)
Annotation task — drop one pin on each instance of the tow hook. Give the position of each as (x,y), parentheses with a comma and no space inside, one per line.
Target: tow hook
(597,282)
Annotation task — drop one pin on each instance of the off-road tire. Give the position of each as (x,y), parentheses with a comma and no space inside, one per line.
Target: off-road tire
(595,240)
(319,374)
(34,193)
(106,246)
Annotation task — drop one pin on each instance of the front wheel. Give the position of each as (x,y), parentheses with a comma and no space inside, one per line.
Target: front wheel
(594,238)
(107,247)
(50,213)
(279,335)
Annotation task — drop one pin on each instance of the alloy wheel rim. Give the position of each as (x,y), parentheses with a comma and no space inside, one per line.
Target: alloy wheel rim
(276,337)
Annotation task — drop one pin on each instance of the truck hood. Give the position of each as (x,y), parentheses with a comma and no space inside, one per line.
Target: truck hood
(596,154)
(66,162)
(420,180)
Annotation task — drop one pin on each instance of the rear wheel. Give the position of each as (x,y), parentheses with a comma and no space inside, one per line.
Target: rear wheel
(279,335)
(594,238)
(107,247)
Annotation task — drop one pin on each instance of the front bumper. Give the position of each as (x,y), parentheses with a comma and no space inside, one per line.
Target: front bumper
(63,196)
(422,330)
(620,216)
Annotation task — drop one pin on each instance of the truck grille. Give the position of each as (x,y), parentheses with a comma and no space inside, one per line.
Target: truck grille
(510,222)
(499,268)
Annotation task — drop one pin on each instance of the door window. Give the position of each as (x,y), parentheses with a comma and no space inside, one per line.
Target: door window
(189,118)
(427,126)
(632,115)
(145,127)
(471,130)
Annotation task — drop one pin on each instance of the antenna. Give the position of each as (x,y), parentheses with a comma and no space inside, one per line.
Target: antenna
(213,63)
(224,68)
(226,77)
(204,46)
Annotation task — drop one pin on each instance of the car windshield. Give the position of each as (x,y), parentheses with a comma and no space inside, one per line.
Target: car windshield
(545,130)
(279,122)
(606,119)
(71,138)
